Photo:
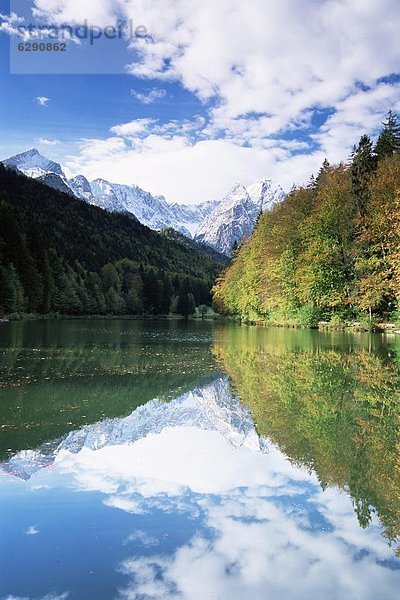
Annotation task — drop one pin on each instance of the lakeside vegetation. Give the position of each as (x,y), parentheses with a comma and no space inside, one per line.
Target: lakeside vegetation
(330,251)
(60,255)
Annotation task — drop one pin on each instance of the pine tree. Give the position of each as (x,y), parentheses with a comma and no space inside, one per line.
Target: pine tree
(152,293)
(260,212)
(312,184)
(17,252)
(388,142)
(11,291)
(134,297)
(186,304)
(48,283)
(97,303)
(166,295)
(191,304)
(110,277)
(322,172)
(114,302)
(363,165)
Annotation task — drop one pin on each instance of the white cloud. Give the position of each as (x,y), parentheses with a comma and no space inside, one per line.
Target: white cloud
(95,149)
(143,538)
(150,96)
(133,128)
(9,23)
(127,504)
(358,113)
(32,530)
(261,69)
(189,172)
(276,57)
(12,18)
(42,100)
(46,142)
(97,12)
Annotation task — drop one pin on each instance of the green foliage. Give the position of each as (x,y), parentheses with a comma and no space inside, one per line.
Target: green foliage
(309,316)
(363,165)
(185,303)
(205,312)
(61,255)
(330,248)
(11,291)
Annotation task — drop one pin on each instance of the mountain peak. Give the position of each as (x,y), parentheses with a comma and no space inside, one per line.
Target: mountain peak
(237,187)
(80,187)
(31,152)
(235,216)
(34,164)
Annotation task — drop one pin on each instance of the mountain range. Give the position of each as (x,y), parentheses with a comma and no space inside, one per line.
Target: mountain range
(218,224)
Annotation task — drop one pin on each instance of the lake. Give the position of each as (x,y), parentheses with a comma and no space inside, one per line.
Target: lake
(142,460)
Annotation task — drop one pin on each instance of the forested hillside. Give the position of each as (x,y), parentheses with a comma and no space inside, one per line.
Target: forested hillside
(331,250)
(59,254)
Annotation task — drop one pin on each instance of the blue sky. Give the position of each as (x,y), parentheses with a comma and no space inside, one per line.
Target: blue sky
(215,94)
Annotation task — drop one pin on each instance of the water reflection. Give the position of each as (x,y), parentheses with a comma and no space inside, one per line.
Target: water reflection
(200,495)
(210,407)
(331,403)
(58,375)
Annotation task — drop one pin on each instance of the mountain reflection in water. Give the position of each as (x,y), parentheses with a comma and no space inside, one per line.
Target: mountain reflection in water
(275,478)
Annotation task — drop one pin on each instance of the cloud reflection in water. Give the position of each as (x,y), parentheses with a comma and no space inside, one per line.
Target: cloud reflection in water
(262,528)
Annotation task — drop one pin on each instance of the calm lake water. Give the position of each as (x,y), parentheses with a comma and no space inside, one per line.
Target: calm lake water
(145,460)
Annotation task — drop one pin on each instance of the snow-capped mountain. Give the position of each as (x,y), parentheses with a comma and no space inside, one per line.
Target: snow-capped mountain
(58,182)
(81,187)
(33,164)
(218,224)
(235,216)
(211,407)
(190,216)
(153,211)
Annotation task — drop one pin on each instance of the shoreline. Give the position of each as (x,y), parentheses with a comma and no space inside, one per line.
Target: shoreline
(323,326)
(376,327)
(95,317)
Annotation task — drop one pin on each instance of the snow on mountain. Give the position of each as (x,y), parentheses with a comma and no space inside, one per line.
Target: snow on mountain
(218,224)
(211,407)
(153,211)
(33,164)
(235,216)
(265,193)
(57,182)
(190,216)
(81,187)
